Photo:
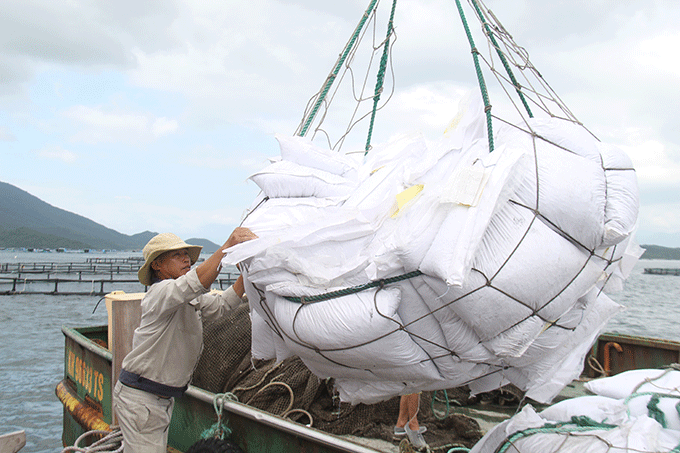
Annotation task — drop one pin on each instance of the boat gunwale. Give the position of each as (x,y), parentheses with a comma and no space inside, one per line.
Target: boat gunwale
(638,340)
(274,421)
(87,343)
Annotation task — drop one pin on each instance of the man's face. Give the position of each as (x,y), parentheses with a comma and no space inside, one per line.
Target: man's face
(172,264)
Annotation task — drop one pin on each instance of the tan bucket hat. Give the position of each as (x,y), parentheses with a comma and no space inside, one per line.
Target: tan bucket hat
(158,245)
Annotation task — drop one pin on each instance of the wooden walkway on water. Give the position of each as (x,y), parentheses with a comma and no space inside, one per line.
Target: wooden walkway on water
(94,277)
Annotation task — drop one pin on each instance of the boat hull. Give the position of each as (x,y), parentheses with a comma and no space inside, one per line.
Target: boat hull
(85,393)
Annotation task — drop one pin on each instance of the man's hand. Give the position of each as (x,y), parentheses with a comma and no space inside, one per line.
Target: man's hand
(210,268)
(239,235)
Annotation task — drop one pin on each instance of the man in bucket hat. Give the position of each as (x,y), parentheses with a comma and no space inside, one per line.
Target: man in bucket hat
(167,344)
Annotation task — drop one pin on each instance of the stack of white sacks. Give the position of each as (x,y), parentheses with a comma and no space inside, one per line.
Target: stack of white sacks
(514,248)
(639,410)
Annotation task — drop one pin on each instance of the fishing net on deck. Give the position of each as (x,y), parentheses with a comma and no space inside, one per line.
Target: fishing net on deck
(289,389)
(480,258)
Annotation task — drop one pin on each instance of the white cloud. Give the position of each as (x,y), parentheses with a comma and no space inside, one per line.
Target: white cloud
(6,135)
(653,161)
(221,63)
(659,224)
(164,126)
(244,60)
(430,106)
(95,125)
(58,153)
(656,53)
(663,217)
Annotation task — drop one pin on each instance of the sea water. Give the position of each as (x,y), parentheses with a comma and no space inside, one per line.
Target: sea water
(32,345)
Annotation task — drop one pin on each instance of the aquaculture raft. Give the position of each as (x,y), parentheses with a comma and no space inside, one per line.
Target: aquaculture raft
(94,277)
(661,271)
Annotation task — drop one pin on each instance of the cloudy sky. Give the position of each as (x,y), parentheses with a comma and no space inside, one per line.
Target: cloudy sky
(151,115)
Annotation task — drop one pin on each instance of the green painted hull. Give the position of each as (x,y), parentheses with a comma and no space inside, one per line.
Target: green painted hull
(86,395)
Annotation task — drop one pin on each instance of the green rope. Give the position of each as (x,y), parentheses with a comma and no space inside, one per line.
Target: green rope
(216,431)
(446,400)
(503,60)
(355,289)
(653,408)
(333,75)
(480,76)
(654,411)
(653,405)
(219,430)
(381,75)
(577,424)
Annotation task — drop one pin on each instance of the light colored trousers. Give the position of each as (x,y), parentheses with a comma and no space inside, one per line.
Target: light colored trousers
(143,418)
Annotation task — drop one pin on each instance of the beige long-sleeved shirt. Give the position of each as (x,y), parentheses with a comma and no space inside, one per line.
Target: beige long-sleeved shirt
(167,344)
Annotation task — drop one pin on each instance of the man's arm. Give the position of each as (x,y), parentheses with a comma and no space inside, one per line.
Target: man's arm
(239,289)
(210,268)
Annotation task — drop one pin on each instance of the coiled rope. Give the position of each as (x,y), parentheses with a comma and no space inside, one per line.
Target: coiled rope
(111,442)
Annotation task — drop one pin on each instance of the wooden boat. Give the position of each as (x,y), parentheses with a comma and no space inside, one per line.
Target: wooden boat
(91,368)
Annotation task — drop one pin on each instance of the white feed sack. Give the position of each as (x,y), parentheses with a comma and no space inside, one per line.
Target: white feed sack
(509,250)
(530,432)
(633,411)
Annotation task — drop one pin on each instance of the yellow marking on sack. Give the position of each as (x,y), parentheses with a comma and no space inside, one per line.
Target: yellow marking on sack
(404,197)
(376,170)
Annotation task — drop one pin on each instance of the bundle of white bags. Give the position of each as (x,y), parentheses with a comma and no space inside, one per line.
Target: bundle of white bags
(513,249)
(637,410)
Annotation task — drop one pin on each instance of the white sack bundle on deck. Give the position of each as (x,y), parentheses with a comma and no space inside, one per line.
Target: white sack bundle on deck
(634,411)
(498,260)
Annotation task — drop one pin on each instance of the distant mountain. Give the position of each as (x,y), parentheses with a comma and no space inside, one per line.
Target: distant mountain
(656,252)
(18,237)
(26,221)
(208,246)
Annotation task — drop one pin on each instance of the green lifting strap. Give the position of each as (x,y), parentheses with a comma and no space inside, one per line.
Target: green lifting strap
(381,75)
(332,76)
(355,289)
(518,87)
(577,424)
(480,76)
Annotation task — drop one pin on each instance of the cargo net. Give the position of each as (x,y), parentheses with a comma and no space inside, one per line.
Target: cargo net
(476,260)
(362,81)
(288,389)
(634,411)
(479,259)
